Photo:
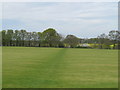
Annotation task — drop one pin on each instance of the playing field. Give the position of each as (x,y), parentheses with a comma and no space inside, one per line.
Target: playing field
(30,67)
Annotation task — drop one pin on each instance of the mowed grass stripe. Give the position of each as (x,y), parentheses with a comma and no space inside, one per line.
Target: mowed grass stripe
(59,68)
(49,72)
(89,68)
(31,71)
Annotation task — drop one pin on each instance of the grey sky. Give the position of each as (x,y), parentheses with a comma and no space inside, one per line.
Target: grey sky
(83,19)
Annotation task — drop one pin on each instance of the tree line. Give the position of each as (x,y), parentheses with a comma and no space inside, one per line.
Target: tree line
(51,38)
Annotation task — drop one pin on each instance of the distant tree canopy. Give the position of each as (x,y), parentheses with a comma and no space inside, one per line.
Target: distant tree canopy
(51,38)
(72,41)
(47,38)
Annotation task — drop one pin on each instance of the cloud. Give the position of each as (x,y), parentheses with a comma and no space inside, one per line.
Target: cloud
(68,18)
(56,10)
(59,1)
(0,16)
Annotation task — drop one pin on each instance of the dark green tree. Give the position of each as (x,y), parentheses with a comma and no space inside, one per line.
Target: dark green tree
(72,40)
(50,37)
(114,36)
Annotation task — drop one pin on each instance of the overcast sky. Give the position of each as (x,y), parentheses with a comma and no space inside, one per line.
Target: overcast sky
(83,19)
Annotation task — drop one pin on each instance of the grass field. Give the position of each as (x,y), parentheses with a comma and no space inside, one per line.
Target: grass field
(30,67)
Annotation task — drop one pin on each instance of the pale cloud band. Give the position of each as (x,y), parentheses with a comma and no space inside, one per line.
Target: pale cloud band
(59,1)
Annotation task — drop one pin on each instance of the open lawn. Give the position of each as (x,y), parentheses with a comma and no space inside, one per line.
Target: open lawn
(30,67)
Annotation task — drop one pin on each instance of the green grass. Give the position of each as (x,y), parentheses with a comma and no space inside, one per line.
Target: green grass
(30,67)
(0,67)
